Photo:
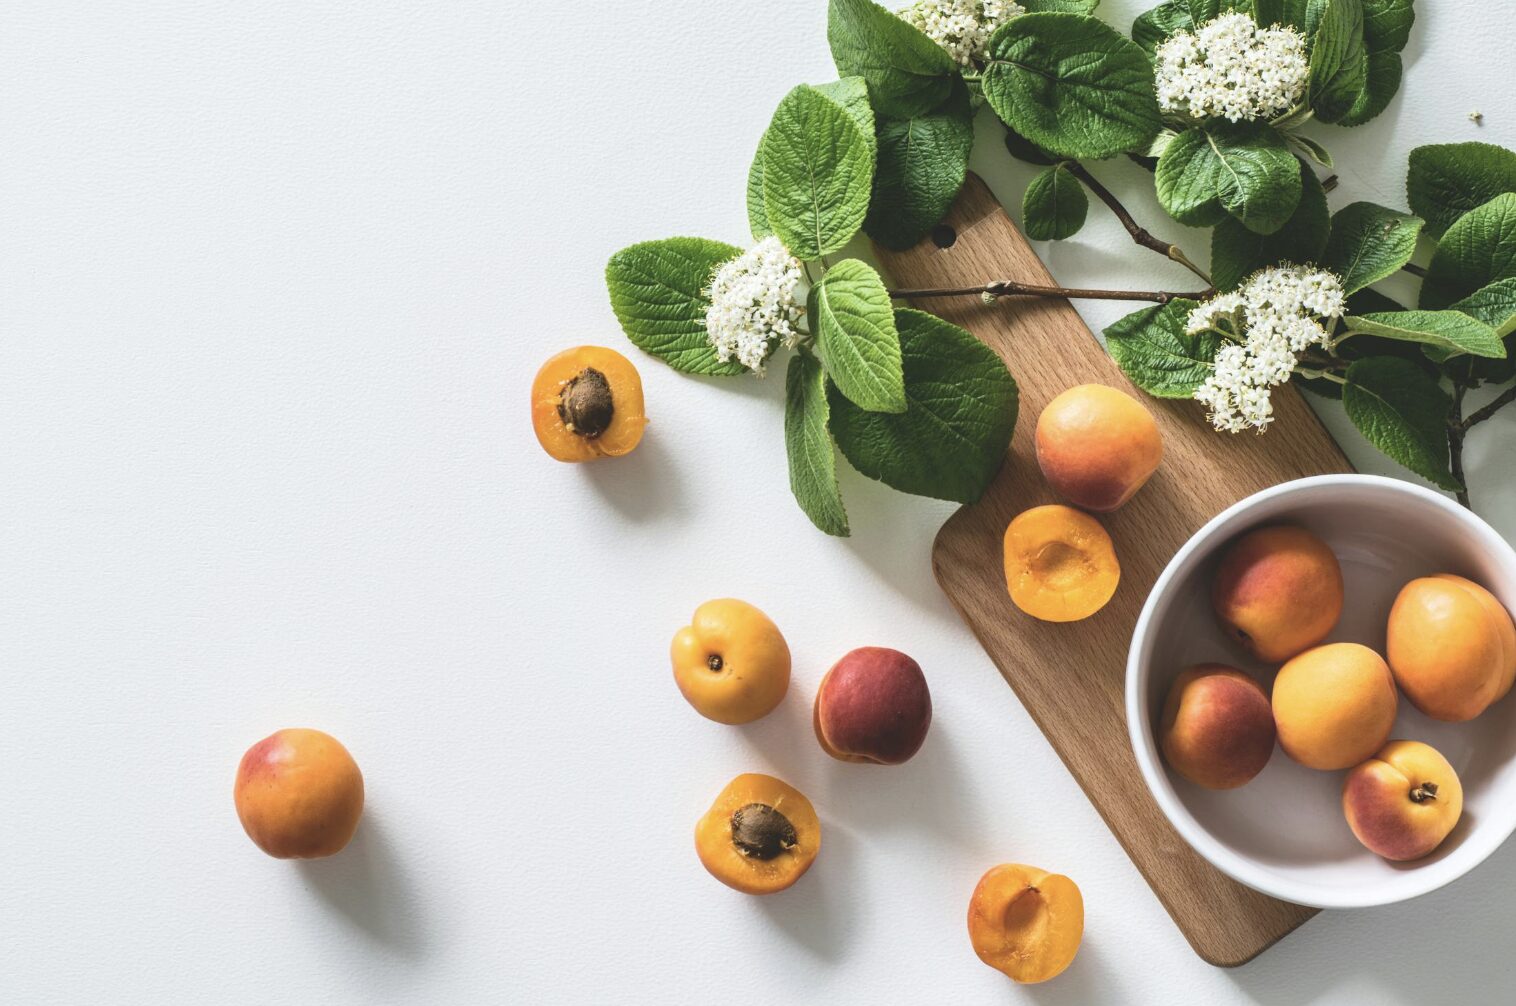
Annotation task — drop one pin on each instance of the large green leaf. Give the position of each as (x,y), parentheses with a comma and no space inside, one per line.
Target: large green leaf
(659,294)
(1059,6)
(813,460)
(1477,250)
(1403,412)
(1495,305)
(1243,169)
(1370,243)
(1339,62)
(818,169)
(1451,332)
(1054,206)
(854,323)
(1381,81)
(1152,347)
(922,164)
(951,441)
(1387,24)
(1237,253)
(852,93)
(1386,30)
(1158,23)
(757,213)
(1447,180)
(907,73)
(1072,85)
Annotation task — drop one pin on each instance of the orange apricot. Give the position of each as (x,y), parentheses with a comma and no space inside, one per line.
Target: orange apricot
(587,404)
(1278,591)
(1447,645)
(299,794)
(759,836)
(1026,922)
(1097,446)
(1505,628)
(731,662)
(1334,705)
(1060,565)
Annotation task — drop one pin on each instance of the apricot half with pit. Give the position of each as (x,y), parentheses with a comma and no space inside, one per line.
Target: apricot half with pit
(1217,728)
(759,836)
(1451,645)
(587,404)
(873,706)
(1060,565)
(1097,446)
(299,794)
(1404,801)
(1278,591)
(1026,922)
(1334,705)
(731,662)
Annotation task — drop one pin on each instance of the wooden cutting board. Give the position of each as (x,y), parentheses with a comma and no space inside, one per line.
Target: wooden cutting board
(1071,677)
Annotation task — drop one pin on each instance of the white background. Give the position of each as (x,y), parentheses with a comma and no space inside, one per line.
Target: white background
(276,278)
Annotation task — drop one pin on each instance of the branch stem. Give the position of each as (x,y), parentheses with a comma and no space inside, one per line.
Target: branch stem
(1479,416)
(1011,288)
(1139,234)
(1456,431)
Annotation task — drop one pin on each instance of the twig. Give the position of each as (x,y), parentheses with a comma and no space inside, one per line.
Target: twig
(1414,270)
(1139,234)
(1010,288)
(1329,183)
(1506,398)
(1456,430)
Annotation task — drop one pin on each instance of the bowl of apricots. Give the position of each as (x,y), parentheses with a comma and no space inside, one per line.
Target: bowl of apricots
(1318,691)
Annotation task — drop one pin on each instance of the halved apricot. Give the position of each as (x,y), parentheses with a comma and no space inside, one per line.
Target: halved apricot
(759,836)
(587,404)
(1026,922)
(1060,565)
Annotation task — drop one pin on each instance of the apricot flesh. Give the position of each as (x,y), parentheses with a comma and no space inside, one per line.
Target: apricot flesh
(1060,565)
(1217,728)
(873,706)
(1404,801)
(1334,705)
(1026,922)
(731,662)
(587,404)
(299,794)
(1097,446)
(760,835)
(1278,591)
(1449,643)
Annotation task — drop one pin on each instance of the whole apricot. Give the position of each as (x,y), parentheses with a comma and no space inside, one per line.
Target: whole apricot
(1404,801)
(1217,728)
(1097,446)
(1060,565)
(873,706)
(1026,922)
(1334,705)
(1505,628)
(759,836)
(1278,591)
(587,404)
(731,662)
(1449,646)
(299,794)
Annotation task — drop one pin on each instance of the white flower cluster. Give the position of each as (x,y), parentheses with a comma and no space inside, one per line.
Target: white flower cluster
(753,304)
(962,27)
(1273,317)
(1232,68)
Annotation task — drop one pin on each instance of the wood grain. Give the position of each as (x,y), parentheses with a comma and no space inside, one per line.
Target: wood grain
(1071,677)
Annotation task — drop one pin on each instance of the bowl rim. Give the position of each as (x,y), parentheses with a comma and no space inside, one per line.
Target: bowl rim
(1474,850)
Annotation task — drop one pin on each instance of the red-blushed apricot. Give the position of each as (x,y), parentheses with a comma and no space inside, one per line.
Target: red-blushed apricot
(587,404)
(1404,801)
(759,836)
(1097,446)
(299,794)
(1217,728)
(1026,922)
(1447,645)
(1278,591)
(1334,705)
(873,706)
(731,662)
(1060,565)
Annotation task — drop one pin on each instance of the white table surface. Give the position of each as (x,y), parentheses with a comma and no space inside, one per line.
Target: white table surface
(276,277)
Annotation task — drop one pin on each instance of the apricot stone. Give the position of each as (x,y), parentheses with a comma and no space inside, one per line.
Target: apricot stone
(1217,728)
(1097,446)
(1449,643)
(1334,705)
(1026,922)
(873,706)
(1278,591)
(299,794)
(1404,801)
(1060,565)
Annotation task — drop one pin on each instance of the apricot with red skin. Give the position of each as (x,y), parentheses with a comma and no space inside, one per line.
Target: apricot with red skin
(1217,728)
(873,706)
(299,794)
(1404,801)
(1278,591)
(1097,446)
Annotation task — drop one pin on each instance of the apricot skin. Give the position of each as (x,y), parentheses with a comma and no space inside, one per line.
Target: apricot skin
(1505,628)
(628,418)
(1390,807)
(873,706)
(1448,647)
(1026,922)
(1060,564)
(725,861)
(1097,446)
(1217,728)
(299,794)
(1278,591)
(731,662)
(1334,705)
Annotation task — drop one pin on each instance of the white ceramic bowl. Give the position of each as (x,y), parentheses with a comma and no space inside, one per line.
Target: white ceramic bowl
(1284,833)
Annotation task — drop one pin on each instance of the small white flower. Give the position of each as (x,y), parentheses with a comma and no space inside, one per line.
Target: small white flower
(1232,68)
(962,27)
(753,306)
(1276,315)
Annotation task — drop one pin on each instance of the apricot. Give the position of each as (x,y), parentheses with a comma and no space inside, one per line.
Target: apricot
(1334,705)
(1449,643)
(1060,565)
(299,794)
(731,662)
(873,706)
(1097,446)
(759,836)
(1217,728)
(1026,922)
(587,404)
(1404,801)
(1278,591)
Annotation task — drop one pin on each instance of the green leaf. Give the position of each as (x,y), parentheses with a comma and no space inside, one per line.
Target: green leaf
(1403,412)
(1315,151)
(1243,169)
(818,169)
(1155,25)
(1387,24)
(1339,63)
(1450,331)
(1022,149)
(1054,206)
(1495,305)
(922,164)
(813,461)
(852,93)
(757,213)
(854,324)
(1380,83)
(907,73)
(1072,85)
(1447,180)
(1237,253)
(1059,6)
(952,439)
(658,292)
(1369,243)
(1152,347)
(1477,250)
